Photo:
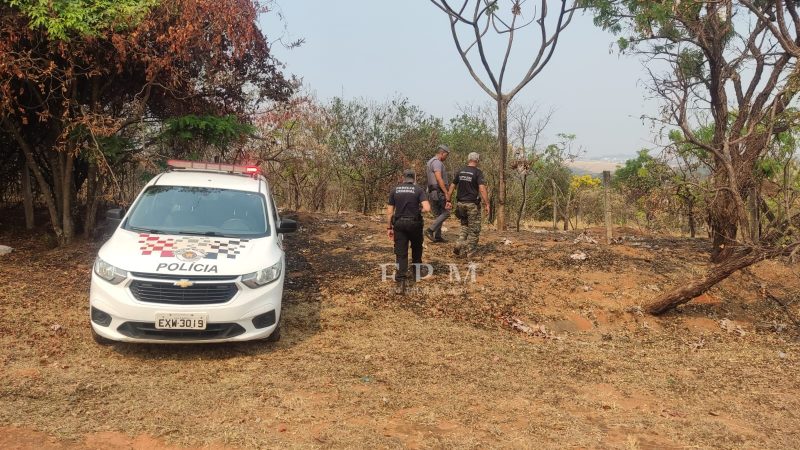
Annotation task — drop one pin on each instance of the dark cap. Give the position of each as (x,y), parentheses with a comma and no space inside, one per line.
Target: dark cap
(409,173)
(444,148)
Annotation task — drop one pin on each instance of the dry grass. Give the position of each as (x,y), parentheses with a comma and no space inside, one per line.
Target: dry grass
(359,367)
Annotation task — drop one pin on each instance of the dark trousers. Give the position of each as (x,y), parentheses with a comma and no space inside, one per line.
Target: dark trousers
(436,198)
(407,231)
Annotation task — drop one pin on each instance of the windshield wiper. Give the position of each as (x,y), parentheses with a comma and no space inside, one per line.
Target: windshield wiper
(202,233)
(147,230)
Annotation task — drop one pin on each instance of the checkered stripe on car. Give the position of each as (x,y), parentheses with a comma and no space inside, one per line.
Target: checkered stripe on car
(166,247)
(157,245)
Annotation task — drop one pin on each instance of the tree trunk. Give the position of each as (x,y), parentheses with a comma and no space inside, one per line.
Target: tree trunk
(724,223)
(318,196)
(728,212)
(723,234)
(56,162)
(27,197)
(93,187)
(492,207)
(365,191)
(66,191)
(697,287)
(755,215)
(94,184)
(47,194)
(524,199)
(502,137)
(492,193)
(690,214)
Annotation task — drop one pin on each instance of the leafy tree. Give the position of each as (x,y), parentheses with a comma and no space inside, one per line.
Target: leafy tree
(65,19)
(221,132)
(584,182)
(470,132)
(527,129)
(731,72)
(640,176)
(580,188)
(554,177)
(80,78)
(369,140)
(724,57)
(295,146)
(494,24)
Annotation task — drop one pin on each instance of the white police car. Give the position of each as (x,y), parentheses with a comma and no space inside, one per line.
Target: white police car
(197,258)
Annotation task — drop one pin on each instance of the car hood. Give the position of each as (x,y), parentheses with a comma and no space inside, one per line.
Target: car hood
(189,255)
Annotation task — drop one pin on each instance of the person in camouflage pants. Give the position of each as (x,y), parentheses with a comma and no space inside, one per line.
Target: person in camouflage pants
(470,216)
(471,190)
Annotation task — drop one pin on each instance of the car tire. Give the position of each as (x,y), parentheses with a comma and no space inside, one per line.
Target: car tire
(275,336)
(100,340)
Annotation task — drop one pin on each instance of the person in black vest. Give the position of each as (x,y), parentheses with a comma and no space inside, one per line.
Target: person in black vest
(471,189)
(407,202)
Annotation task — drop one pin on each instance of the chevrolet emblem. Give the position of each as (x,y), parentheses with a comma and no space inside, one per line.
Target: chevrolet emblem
(183,283)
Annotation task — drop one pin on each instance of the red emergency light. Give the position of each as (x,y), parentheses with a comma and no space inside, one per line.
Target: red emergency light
(213,167)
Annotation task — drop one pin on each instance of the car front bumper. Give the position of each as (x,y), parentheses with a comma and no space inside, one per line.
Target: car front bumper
(132,320)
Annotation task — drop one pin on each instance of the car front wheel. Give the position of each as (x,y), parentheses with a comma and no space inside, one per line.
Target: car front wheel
(100,339)
(275,336)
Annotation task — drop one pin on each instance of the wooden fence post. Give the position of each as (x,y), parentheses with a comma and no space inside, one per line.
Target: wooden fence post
(555,205)
(607,203)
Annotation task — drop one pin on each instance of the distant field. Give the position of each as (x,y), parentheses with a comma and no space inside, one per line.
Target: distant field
(593,166)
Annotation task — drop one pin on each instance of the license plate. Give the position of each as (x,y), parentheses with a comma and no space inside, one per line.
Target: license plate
(167,321)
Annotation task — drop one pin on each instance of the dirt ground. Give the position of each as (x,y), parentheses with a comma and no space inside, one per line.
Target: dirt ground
(541,351)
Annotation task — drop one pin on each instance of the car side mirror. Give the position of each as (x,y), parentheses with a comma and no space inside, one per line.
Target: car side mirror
(287,226)
(114,216)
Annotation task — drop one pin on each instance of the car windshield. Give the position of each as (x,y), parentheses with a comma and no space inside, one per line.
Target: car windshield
(199,211)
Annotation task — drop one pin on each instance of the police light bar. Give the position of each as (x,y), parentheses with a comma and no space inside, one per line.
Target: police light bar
(212,167)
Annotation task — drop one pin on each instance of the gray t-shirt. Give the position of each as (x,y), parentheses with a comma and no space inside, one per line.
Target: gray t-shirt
(434,164)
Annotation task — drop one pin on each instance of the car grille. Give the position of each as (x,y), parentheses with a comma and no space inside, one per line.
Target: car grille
(165,276)
(145,330)
(168,293)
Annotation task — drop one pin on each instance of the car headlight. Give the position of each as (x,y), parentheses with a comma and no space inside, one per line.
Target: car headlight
(262,277)
(106,271)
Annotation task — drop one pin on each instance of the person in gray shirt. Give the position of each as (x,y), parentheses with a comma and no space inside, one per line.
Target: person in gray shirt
(438,193)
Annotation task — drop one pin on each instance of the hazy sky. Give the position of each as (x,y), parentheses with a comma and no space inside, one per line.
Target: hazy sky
(381,49)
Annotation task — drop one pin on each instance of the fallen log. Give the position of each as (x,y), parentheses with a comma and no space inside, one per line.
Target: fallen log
(737,261)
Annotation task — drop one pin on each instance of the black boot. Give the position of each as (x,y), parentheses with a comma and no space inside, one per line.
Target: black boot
(411,281)
(429,234)
(400,287)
